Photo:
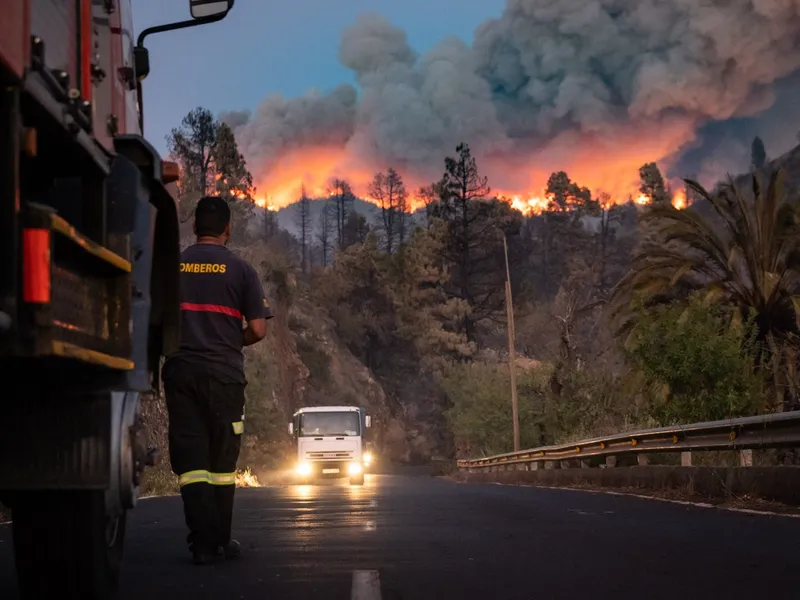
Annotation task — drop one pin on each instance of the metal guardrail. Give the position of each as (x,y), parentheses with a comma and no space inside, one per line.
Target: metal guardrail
(747,433)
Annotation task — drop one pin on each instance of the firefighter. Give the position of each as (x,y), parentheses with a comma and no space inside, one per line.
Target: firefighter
(204,381)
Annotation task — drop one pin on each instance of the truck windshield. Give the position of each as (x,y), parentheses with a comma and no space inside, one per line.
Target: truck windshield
(329,423)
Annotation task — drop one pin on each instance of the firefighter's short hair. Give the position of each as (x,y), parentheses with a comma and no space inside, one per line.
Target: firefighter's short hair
(211,216)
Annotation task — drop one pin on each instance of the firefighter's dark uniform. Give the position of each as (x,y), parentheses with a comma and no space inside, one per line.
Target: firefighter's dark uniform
(204,385)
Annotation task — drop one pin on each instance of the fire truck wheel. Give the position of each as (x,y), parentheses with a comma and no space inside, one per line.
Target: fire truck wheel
(67,546)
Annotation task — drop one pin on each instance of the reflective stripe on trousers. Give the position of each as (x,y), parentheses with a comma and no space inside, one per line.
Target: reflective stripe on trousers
(202,476)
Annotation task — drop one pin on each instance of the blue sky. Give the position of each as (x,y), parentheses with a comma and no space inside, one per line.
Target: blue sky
(269,46)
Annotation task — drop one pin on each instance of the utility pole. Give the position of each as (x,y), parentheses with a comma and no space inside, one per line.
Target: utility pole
(512,358)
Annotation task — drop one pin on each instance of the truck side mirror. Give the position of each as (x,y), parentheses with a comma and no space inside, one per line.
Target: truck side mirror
(368,421)
(291,428)
(203,9)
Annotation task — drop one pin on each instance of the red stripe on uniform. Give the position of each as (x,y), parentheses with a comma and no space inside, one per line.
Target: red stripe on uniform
(215,308)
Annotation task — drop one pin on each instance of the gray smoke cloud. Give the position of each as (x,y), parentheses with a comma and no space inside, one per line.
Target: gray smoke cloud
(593,87)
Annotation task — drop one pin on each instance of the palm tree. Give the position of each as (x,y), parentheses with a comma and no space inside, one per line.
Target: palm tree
(746,256)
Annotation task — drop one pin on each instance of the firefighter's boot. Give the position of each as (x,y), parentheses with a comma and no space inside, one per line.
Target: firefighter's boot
(232,550)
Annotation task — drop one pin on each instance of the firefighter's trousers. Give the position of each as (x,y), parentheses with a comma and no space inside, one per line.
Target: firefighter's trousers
(206,422)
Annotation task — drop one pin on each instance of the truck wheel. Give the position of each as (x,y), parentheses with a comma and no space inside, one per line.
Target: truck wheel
(67,546)
(357,479)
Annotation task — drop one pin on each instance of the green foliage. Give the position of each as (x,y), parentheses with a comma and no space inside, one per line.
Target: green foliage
(745,257)
(479,416)
(480,412)
(392,303)
(695,365)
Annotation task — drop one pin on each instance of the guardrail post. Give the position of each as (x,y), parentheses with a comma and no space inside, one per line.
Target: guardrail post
(611,461)
(746,458)
(686,459)
(584,463)
(641,459)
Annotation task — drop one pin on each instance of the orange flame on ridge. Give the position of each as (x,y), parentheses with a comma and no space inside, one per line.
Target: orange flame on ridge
(314,168)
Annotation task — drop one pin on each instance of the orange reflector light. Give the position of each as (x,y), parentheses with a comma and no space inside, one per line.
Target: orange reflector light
(36,265)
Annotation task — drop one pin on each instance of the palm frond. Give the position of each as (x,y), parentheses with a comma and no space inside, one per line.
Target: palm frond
(747,255)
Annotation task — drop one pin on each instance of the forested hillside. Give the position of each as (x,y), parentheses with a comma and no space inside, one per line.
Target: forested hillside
(627,312)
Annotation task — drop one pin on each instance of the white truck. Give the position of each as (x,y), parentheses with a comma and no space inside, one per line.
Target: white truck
(330,442)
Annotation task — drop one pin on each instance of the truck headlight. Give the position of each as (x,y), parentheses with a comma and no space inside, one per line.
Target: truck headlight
(354,468)
(367,458)
(303,469)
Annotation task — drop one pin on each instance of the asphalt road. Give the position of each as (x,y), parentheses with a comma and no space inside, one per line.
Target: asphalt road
(421,537)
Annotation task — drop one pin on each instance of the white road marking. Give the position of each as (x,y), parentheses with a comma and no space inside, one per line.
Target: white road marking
(366,585)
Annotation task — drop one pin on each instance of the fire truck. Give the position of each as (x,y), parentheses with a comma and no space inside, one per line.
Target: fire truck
(89,263)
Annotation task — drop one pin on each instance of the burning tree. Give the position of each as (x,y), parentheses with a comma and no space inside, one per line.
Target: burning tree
(232,179)
(652,184)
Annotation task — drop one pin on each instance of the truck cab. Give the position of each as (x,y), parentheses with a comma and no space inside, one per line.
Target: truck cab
(330,442)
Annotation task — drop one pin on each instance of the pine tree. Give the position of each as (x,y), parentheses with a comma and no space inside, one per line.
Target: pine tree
(390,193)
(211,162)
(193,145)
(473,245)
(325,232)
(341,199)
(232,179)
(270,224)
(304,227)
(652,184)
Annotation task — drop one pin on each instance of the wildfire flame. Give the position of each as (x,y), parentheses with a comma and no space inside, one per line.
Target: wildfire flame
(314,168)
(246,479)
(679,200)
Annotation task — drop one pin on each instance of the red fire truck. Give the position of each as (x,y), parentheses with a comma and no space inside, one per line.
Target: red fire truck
(89,255)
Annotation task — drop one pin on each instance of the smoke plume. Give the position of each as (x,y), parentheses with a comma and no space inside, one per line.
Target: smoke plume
(592,87)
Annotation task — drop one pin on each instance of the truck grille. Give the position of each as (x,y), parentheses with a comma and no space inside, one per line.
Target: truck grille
(331,455)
